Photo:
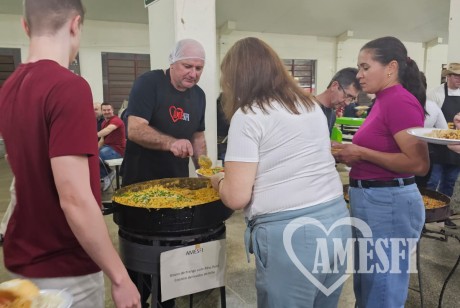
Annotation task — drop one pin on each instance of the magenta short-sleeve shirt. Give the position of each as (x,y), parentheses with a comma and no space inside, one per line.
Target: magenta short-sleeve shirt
(395,109)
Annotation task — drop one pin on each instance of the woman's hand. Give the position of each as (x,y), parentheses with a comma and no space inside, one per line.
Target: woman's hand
(454,147)
(347,154)
(456,123)
(216,179)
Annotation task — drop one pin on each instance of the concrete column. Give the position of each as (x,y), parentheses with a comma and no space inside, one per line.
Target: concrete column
(453,54)
(343,58)
(173,20)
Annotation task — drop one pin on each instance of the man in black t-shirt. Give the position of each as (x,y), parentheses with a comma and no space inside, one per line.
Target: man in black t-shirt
(165,118)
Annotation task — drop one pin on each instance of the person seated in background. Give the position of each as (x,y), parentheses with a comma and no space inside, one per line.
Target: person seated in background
(98,114)
(341,91)
(112,143)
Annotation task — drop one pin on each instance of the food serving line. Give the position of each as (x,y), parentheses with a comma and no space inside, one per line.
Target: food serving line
(146,233)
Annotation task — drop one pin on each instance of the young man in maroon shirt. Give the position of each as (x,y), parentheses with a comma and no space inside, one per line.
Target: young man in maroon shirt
(56,236)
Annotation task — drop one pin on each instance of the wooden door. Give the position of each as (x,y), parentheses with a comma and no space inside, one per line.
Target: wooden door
(119,71)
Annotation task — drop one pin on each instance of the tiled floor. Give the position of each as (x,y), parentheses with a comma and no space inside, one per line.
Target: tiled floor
(437,258)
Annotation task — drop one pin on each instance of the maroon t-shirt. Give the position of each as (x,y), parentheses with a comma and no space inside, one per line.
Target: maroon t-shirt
(116,139)
(46,111)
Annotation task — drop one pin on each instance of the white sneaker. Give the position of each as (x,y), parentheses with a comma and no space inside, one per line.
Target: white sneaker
(107,180)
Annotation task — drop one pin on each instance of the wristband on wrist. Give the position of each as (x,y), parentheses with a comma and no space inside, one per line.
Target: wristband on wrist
(218,183)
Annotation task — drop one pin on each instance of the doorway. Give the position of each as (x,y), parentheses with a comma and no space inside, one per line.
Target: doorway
(10,58)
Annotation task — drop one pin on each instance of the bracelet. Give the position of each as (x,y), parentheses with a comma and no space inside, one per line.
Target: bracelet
(218,183)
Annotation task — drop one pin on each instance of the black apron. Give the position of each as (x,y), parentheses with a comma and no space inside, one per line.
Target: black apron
(440,154)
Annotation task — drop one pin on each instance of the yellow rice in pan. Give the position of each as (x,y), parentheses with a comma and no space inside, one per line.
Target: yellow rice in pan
(157,197)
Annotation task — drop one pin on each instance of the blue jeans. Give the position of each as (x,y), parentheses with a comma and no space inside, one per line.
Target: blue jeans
(106,152)
(279,280)
(443,178)
(391,213)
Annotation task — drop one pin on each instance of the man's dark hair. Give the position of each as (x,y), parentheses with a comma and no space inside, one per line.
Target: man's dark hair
(106,104)
(346,77)
(423,79)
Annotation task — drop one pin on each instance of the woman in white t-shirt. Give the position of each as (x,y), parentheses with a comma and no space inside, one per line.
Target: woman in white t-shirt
(279,169)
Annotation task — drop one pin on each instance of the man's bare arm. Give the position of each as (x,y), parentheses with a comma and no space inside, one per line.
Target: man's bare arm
(140,132)
(199,147)
(84,216)
(100,143)
(107,130)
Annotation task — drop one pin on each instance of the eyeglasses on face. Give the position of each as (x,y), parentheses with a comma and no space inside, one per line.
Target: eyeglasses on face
(348,96)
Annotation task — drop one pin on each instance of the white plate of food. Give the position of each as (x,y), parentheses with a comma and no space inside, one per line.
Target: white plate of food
(436,135)
(362,107)
(207,173)
(53,298)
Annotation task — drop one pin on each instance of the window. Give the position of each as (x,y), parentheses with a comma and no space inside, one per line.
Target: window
(119,70)
(304,71)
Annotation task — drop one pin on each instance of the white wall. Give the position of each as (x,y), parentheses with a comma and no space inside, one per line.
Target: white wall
(436,56)
(97,37)
(321,49)
(330,53)
(333,55)
(12,35)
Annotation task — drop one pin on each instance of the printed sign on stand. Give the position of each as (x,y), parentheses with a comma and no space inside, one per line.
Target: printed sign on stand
(192,269)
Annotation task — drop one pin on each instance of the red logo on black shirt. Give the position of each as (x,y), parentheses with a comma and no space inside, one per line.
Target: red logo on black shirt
(176,113)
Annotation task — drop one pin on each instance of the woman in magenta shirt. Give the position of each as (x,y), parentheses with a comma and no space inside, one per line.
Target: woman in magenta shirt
(384,159)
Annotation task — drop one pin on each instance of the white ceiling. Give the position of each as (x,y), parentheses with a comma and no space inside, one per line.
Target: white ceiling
(409,20)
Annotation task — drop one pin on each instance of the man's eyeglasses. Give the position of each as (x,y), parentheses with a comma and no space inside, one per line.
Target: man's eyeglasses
(348,96)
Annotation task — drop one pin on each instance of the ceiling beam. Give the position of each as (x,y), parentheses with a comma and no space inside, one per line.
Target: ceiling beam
(345,36)
(434,42)
(228,27)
